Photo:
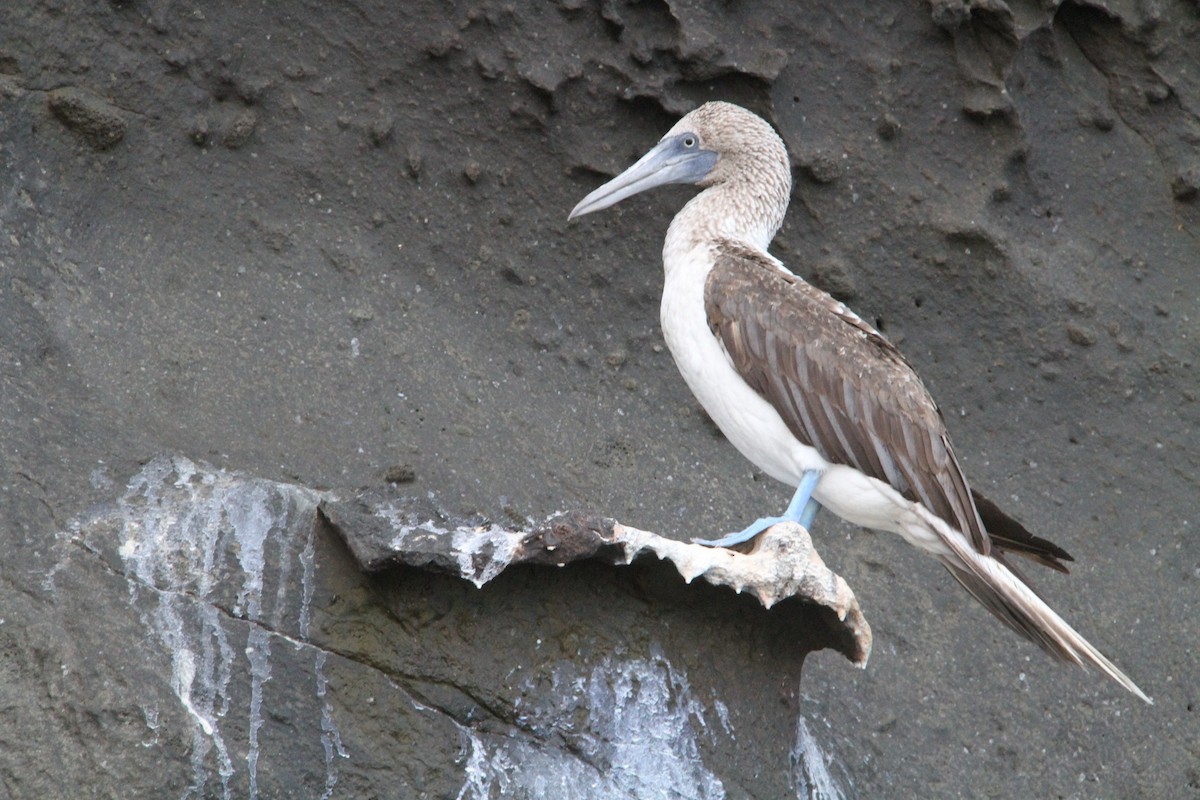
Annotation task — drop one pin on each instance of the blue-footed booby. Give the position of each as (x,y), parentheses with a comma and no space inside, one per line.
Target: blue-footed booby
(806,389)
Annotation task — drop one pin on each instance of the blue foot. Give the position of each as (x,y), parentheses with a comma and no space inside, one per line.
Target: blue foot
(802,510)
(755,528)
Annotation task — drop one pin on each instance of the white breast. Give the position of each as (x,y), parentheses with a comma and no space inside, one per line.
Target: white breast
(746,419)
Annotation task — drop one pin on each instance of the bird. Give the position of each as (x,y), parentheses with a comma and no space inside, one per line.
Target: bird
(808,391)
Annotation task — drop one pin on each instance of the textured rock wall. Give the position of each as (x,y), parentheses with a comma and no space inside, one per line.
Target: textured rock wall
(323,246)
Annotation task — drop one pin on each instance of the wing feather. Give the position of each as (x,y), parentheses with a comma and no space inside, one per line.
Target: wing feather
(838,384)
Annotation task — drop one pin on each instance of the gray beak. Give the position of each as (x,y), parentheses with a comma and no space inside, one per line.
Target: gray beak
(677,159)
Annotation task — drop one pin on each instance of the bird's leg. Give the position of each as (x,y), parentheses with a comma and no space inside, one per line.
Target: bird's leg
(802,510)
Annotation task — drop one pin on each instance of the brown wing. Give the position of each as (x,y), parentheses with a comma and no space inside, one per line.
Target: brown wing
(838,384)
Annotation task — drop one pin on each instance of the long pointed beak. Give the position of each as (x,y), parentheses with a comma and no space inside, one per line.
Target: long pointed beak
(669,162)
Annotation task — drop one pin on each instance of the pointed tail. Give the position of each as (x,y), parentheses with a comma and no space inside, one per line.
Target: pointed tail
(1000,589)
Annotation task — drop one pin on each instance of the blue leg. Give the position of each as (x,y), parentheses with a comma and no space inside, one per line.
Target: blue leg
(810,514)
(803,510)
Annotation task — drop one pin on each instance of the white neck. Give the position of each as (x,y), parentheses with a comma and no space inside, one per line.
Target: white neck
(689,256)
(734,210)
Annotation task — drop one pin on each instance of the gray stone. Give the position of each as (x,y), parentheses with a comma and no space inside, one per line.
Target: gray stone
(94,119)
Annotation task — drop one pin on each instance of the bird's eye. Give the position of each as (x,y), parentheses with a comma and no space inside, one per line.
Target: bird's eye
(689,141)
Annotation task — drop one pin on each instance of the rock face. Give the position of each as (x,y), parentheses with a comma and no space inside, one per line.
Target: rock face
(260,261)
(233,640)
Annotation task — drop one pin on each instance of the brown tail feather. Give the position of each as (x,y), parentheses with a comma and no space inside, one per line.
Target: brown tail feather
(1013,616)
(1001,591)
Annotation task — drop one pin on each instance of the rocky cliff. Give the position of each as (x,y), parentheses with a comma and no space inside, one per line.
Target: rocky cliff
(257,258)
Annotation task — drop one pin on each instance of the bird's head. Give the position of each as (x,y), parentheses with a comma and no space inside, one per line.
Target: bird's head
(715,144)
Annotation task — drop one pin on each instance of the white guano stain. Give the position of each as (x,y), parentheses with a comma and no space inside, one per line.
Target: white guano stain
(810,768)
(184,531)
(633,728)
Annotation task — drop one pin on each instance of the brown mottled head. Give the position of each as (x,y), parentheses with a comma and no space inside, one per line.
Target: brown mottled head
(717,144)
(745,144)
